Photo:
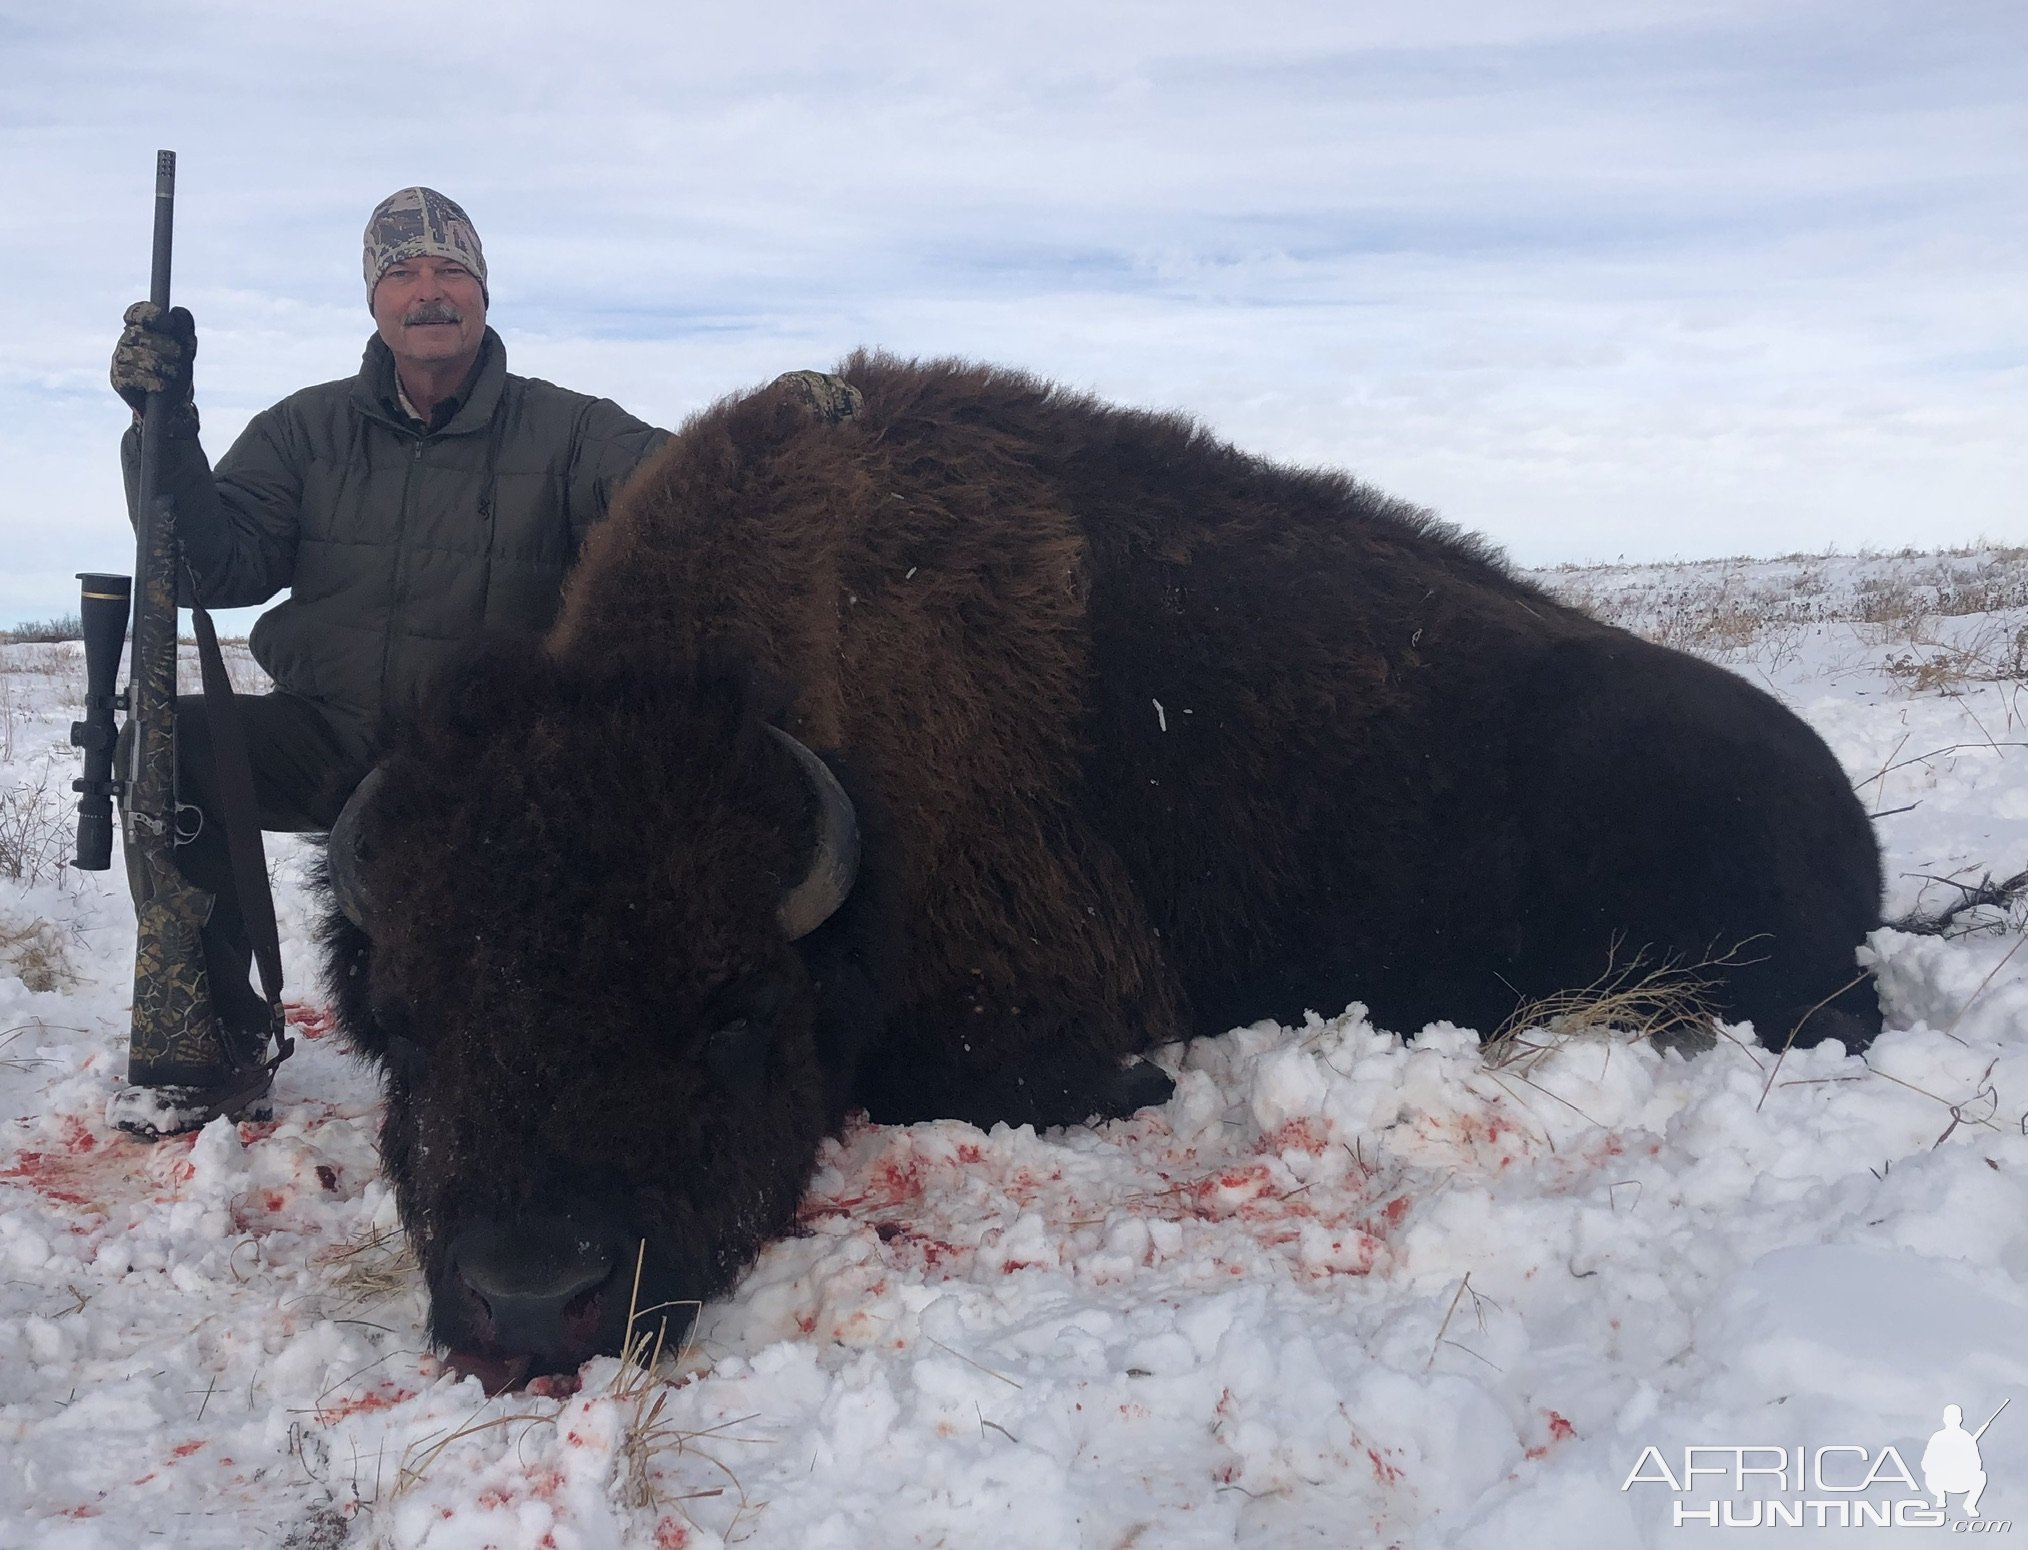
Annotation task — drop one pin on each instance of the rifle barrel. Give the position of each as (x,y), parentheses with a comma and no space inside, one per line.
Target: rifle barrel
(150,799)
(1992,1418)
(165,225)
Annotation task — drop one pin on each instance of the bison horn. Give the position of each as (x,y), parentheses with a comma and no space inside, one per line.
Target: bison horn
(345,851)
(836,862)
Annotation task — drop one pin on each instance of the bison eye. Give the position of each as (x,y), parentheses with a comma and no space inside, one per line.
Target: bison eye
(736,1054)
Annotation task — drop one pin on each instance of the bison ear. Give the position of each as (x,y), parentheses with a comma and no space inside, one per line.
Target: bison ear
(730,685)
(717,701)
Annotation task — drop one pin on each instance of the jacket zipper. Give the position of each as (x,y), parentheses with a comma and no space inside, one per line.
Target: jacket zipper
(399,601)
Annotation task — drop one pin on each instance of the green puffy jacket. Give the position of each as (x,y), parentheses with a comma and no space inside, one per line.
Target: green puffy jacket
(399,546)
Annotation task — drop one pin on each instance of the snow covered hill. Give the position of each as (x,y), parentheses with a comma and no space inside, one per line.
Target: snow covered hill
(1346,1289)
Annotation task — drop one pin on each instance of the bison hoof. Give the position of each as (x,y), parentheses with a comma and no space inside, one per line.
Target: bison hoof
(826,397)
(1144,1085)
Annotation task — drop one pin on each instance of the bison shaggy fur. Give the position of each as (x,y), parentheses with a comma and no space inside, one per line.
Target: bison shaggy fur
(1147,737)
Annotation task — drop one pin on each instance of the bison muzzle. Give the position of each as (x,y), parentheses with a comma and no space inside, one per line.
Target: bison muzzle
(935,744)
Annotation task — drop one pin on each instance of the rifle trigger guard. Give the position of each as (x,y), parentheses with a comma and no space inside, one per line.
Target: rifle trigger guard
(180,837)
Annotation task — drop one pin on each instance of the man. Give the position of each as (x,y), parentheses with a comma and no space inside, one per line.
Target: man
(409,510)
(1951,1461)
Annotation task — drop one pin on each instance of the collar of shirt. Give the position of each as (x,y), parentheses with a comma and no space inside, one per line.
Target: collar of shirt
(447,410)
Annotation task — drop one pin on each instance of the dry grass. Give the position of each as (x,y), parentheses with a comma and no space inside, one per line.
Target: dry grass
(635,1390)
(644,1432)
(43,631)
(10,1036)
(1981,907)
(1761,611)
(1729,623)
(1993,583)
(322,1528)
(38,954)
(37,827)
(418,1457)
(1723,616)
(373,1268)
(1896,602)
(1670,1004)
(48,660)
(12,714)
(1929,664)
(380,1265)
(1632,1000)
(241,671)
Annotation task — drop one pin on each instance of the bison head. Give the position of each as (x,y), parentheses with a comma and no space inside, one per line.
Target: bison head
(587,935)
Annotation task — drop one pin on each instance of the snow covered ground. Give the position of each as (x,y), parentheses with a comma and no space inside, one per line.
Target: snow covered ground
(1346,1289)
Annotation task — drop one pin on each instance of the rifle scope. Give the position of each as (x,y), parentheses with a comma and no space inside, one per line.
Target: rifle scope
(103,609)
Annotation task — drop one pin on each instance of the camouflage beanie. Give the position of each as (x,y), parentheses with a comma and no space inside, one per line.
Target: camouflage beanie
(419,222)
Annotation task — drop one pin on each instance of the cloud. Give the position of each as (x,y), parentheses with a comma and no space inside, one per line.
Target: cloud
(1705,278)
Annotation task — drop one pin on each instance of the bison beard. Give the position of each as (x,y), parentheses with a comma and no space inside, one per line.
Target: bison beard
(1146,738)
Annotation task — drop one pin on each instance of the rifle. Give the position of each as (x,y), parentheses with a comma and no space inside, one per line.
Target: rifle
(175,1034)
(177,1050)
(1992,1418)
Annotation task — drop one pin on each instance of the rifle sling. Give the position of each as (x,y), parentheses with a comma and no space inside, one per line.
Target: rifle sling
(232,769)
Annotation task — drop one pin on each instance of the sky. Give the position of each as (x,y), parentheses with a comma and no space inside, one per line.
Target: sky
(1648,278)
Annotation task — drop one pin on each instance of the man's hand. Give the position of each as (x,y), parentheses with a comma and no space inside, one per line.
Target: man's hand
(154,355)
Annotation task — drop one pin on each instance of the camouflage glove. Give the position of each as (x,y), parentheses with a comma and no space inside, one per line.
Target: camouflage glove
(154,355)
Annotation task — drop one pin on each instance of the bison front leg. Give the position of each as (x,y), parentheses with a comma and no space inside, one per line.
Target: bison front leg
(1034,980)
(1009,1065)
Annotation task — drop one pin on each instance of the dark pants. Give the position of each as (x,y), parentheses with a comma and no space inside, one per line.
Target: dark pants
(302,774)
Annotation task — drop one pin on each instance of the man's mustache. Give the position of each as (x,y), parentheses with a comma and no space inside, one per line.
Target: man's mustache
(432,312)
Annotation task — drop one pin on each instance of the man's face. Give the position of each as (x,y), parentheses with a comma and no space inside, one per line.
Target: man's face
(430,310)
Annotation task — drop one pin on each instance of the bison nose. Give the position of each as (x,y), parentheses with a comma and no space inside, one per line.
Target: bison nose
(533,1276)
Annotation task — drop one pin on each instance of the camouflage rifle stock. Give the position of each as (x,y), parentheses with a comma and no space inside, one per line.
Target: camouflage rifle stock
(176,1036)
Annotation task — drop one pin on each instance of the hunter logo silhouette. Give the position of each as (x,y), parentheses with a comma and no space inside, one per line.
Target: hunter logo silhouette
(1951,1462)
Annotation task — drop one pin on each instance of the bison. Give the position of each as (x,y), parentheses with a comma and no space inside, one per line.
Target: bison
(935,740)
